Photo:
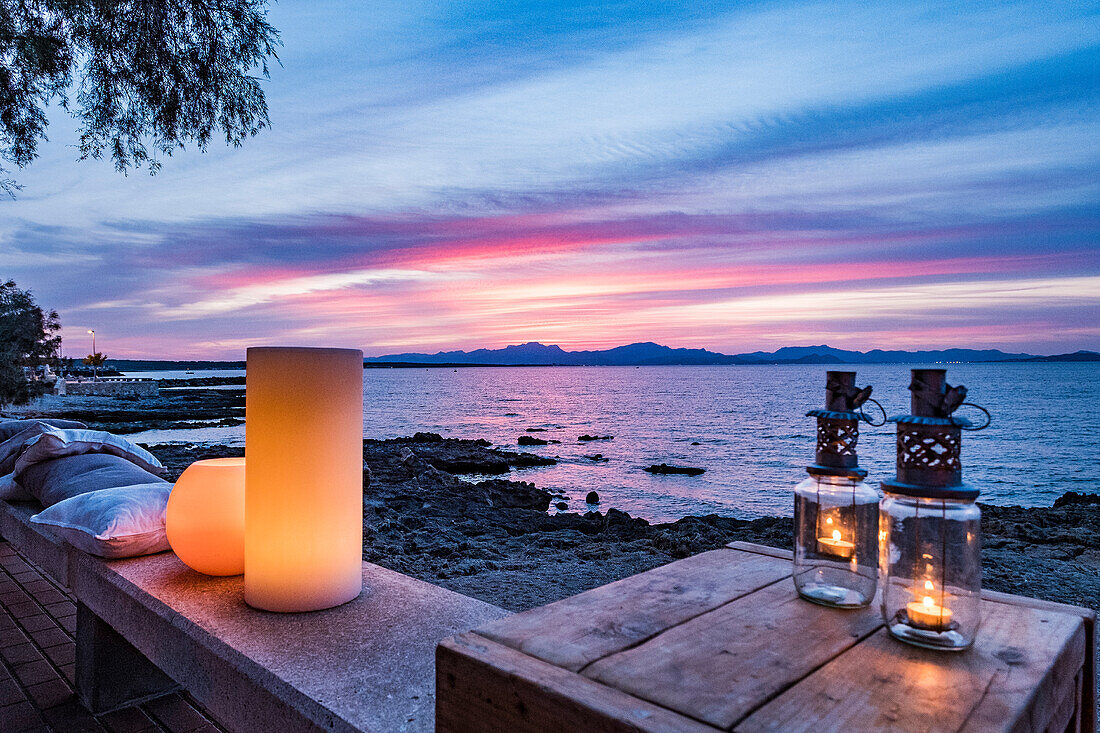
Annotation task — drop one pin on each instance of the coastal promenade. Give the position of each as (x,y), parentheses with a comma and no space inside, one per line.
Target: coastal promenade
(37,663)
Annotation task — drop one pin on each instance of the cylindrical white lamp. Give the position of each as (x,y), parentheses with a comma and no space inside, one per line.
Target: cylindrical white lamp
(303,478)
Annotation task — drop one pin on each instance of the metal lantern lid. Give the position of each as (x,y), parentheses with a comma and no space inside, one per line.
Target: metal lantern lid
(838,427)
(929,440)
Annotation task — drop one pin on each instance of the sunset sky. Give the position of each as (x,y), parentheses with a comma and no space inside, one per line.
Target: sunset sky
(730,176)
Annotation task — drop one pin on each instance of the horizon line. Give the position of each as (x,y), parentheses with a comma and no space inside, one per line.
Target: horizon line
(635,343)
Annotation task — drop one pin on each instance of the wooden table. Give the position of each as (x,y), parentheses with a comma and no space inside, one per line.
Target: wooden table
(720,641)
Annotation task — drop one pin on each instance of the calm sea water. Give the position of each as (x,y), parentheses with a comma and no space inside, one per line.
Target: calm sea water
(749,423)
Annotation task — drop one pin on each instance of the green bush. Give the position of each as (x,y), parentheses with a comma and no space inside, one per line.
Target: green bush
(28,338)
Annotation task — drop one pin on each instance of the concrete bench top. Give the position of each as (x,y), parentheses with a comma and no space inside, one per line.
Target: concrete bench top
(368,665)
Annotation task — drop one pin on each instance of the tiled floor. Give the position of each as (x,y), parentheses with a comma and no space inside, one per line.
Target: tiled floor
(37,654)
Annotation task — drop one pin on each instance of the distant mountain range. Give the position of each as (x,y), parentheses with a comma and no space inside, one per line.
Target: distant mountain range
(641,354)
(651,354)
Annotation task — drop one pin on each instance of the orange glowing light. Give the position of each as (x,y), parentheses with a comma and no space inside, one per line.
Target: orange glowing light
(304,478)
(205,516)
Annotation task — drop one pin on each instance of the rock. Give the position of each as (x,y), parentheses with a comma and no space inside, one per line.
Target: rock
(515,494)
(455,456)
(177,457)
(586,437)
(592,498)
(426,438)
(696,442)
(489,467)
(597,457)
(526,460)
(536,430)
(1071,498)
(665,469)
(528,440)
(202,382)
(561,506)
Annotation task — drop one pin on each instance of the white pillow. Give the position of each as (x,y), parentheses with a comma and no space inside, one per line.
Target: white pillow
(12,491)
(13,445)
(54,443)
(112,523)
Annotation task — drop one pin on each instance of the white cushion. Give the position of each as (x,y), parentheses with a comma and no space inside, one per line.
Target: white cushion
(112,523)
(8,428)
(53,443)
(12,491)
(63,478)
(14,444)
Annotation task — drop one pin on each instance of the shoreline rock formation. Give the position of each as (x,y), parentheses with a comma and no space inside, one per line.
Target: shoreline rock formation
(451,512)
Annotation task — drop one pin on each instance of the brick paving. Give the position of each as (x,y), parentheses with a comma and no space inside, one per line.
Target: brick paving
(37,662)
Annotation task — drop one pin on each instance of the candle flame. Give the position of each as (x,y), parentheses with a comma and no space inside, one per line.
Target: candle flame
(836,534)
(828,520)
(928,602)
(928,585)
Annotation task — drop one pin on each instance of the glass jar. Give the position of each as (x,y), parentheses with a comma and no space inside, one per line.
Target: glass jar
(931,570)
(836,541)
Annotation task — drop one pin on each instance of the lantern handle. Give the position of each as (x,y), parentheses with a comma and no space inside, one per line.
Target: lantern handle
(967,426)
(868,420)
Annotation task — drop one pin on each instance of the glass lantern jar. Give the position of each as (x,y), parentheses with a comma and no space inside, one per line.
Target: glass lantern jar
(931,541)
(835,513)
(836,540)
(931,570)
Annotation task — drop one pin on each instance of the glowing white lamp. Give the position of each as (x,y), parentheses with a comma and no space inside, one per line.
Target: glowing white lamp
(303,478)
(205,516)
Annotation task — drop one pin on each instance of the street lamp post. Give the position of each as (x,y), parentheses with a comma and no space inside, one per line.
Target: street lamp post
(94,373)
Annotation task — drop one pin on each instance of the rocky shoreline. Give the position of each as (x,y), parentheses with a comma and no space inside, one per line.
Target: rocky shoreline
(493,539)
(457,513)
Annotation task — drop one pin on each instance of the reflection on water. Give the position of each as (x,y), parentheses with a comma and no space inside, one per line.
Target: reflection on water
(749,423)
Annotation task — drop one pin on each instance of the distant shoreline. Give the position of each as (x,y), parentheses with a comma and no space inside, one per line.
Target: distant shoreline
(645,354)
(167,366)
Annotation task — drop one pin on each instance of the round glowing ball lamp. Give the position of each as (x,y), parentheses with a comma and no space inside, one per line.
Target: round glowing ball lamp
(205,516)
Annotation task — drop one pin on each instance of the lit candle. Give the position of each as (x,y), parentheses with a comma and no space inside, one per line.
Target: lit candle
(927,613)
(835,545)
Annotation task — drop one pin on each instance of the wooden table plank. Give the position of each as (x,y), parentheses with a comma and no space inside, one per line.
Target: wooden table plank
(1088,678)
(1088,683)
(721,640)
(779,552)
(720,666)
(577,631)
(881,684)
(1064,712)
(482,685)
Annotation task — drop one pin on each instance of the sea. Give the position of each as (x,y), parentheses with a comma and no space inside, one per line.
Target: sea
(745,425)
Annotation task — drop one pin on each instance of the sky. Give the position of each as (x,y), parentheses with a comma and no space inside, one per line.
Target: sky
(734,176)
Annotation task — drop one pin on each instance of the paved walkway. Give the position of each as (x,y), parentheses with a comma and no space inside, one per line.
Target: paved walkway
(37,655)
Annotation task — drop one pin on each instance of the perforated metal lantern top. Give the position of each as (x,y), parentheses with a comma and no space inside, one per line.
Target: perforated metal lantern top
(929,443)
(838,427)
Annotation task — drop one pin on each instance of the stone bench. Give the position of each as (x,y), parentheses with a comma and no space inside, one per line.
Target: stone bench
(147,625)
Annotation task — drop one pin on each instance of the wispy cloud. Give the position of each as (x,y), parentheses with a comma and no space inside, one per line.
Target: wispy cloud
(468,174)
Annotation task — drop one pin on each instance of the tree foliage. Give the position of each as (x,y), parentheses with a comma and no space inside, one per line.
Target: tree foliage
(142,77)
(28,338)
